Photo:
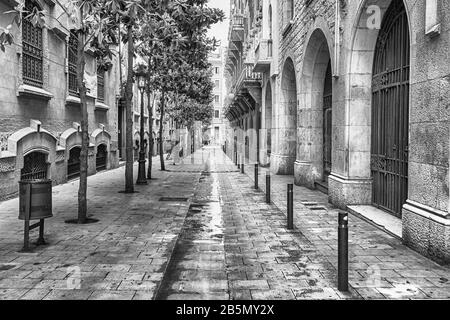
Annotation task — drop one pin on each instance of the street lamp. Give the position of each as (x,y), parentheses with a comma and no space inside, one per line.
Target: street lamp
(141,75)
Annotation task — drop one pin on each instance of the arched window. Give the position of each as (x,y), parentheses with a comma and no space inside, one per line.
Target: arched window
(35,167)
(72,60)
(73,164)
(32,53)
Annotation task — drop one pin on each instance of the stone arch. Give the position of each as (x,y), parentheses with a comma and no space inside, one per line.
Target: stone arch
(69,140)
(102,137)
(285,126)
(33,139)
(317,60)
(352,169)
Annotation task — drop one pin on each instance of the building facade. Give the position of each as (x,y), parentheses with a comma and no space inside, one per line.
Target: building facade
(215,133)
(40,110)
(352,98)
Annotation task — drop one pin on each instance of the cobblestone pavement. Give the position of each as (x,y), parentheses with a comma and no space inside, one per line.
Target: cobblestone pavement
(224,243)
(121,257)
(380,266)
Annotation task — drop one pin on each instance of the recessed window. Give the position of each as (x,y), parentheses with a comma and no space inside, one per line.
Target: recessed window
(217,99)
(32,43)
(72,60)
(216,113)
(101,85)
(217,84)
(216,70)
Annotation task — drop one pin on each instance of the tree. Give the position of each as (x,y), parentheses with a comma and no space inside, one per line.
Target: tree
(177,66)
(93,27)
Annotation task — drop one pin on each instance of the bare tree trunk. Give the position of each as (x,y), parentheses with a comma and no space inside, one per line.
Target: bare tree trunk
(82,191)
(161,142)
(129,182)
(150,142)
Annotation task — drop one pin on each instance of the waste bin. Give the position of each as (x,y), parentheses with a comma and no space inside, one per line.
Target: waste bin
(35,199)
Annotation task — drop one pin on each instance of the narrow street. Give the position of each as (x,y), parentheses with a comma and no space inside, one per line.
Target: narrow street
(222,241)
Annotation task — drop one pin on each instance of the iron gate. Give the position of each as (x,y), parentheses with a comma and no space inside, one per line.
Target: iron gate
(73,164)
(35,167)
(390,111)
(327,124)
(101,157)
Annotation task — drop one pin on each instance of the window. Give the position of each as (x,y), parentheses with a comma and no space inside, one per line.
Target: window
(216,70)
(72,59)
(32,60)
(101,85)
(216,114)
(217,99)
(270,22)
(217,84)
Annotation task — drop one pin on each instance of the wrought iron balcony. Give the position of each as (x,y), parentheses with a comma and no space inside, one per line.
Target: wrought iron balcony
(263,55)
(247,78)
(237,28)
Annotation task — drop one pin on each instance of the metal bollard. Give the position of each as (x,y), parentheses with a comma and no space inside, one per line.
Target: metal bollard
(268,187)
(343,252)
(242,166)
(290,207)
(238,161)
(256,176)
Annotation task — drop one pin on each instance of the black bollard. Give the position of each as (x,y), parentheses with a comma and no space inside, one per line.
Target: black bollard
(242,166)
(343,252)
(268,187)
(290,207)
(256,176)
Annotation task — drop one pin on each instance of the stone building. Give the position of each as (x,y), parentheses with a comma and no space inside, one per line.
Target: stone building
(352,98)
(40,111)
(216,131)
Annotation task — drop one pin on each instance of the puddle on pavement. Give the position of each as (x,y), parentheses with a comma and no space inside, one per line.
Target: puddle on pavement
(196,269)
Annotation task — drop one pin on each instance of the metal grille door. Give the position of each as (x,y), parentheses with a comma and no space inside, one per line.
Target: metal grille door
(390,111)
(73,164)
(101,158)
(35,167)
(327,122)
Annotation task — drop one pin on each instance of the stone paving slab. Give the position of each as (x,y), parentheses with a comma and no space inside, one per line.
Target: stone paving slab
(225,243)
(123,256)
(381,267)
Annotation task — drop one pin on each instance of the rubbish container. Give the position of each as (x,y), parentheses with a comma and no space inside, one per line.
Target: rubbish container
(35,199)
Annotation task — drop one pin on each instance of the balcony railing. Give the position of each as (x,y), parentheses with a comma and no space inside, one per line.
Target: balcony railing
(246,78)
(238,20)
(263,55)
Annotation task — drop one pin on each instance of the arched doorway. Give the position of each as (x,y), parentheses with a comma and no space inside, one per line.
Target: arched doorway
(35,167)
(314,157)
(390,111)
(101,157)
(73,164)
